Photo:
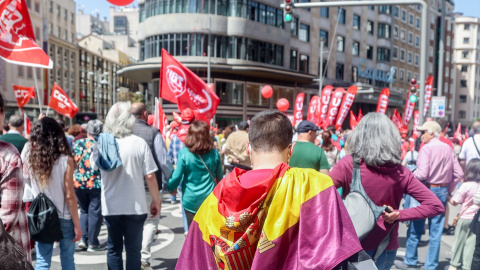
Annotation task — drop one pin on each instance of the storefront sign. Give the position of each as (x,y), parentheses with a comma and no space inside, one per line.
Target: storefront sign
(375,74)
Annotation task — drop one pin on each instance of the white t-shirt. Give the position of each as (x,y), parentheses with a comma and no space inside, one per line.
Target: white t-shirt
(123,191)
(469,151)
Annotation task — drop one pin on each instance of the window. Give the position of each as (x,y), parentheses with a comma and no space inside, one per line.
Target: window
(410,38)
(383,54)
(464,68)
(356,48)
(341,15)
(304,33)
(324,37)
(416,60)
(294,27)
(463,98)
(403,34)
(370,27)
(402,74)
(232,93)
(395,52)
(402,54)
(293,60)
(383,30)
(253,95)
(29,3)
(356,22)
(404,15)
(409,76)
(324,12)
(466,26)
(466,40)
(395,11)
(303,65)
(410,19)
(37,7)
(463,83)
(465,54)
(395,31)
(417,41)
(462,114)
(20,71)
(325,67)
(340,43)
(339,70)
(371,7)
(384,9)
(409,57)
(417,24)
(369,52)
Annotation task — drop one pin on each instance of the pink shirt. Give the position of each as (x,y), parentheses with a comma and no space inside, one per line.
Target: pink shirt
(437,164)
(464,195)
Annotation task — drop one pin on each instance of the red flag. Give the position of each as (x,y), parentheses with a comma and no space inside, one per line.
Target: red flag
(177,118)
(397,119)
(27,124)
(458,132)
(360,115)
(292,118)
(60,102)
(312,109)
(416,122)
(23,94)
(466,133)
(298,109)
(17,39)
(409,107)
(346,105)
(335,102)
(180,85)
(428,94)
(324,101)
(353,120)
(382,104)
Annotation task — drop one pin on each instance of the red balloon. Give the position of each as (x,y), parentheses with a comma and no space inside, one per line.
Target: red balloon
(283,104)
(267,91)
(121,2)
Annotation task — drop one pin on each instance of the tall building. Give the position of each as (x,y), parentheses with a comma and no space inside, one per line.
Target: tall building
(252,46)
(467,50)
(88,24)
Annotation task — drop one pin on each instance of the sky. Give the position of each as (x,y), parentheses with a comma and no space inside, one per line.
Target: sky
(467,7)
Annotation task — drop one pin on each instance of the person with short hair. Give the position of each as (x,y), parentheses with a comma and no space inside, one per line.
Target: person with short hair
(69,137)
(444,124)
(265,218)
(87,185)
(331,152)
(235,148)
(14,135)
(305,153)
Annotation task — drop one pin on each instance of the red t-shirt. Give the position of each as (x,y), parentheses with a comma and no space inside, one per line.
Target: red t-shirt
(249,178)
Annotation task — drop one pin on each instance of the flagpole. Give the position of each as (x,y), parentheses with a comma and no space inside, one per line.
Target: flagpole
(36,87)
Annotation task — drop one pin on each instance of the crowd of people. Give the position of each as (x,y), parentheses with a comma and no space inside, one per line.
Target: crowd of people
(262,192)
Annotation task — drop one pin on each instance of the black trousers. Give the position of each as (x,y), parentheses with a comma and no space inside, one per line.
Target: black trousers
(476,254)
(189,216)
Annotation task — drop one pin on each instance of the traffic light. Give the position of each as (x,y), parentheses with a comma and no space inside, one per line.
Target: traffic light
(413,90)
(288,10)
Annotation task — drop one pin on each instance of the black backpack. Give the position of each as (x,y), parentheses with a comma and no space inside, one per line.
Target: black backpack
(43,222)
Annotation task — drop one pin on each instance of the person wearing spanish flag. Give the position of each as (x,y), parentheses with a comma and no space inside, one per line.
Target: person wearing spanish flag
(272,217)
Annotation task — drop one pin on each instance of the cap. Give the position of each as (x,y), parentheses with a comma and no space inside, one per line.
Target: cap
(306,126)
(430,125)
(187,116)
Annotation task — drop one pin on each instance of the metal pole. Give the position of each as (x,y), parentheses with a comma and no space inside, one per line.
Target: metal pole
(441,52)
(208,48)
(320,75)
(38,92)
(423,62)
(114,87)
(97,79)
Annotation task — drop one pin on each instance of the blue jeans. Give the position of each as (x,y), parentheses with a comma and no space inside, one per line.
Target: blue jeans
(128,230)
(67,248)
(415,231)
(385,260)
(91,214)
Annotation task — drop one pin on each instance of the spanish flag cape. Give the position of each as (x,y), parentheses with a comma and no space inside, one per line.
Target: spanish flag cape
(294,219)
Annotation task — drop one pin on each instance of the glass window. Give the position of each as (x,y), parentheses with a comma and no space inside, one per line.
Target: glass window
(404,15)
(341,15)
(416,59)
(383,54)
(287,93)
(463,83)
(417,41)
(466,40)
(324,36)
(254,95)
(463,98)
(339,71)
(395,11)
(303,64)
(356,22)
(395,52)
(466,26)
(324,12)
(304,33)
(356,48)
(395,31)
(402,55)
(462,114)
(386,9)
(465,54)
(293,60)
(403,34)
(464,68)
(370,27)
(294,27)
(340,43)
(230,93)
(383,30)
(409,57)
(417,23)
(410,19)
(369,52)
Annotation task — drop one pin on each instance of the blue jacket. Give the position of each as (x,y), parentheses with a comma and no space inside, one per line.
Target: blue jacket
(108,156)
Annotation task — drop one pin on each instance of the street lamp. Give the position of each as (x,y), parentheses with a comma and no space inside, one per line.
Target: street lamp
(101,79)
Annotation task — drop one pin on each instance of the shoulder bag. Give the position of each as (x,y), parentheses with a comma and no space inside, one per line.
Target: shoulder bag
(214,180)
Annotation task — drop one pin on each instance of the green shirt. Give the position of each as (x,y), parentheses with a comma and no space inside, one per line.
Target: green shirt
(197,183)
(17,140)
(308,155)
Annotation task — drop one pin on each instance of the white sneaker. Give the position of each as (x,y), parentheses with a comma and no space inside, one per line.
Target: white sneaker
(451,267)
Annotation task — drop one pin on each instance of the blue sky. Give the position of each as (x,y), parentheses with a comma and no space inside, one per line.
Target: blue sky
(468,7)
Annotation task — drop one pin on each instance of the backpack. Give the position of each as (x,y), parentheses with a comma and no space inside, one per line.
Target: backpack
(412,163)
(13,255)
(43,221)
(362,211)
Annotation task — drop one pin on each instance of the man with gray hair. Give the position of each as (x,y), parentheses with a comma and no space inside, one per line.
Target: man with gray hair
(440,170)
(14,135)
(471,147)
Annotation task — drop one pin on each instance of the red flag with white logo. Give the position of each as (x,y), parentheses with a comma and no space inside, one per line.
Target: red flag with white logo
(346,105)
(312,109)
(323,106)
(160,119)
(177,118)
(23,94)
(360,115)
(397,119)
(409,107)
(180,85)
(382,104)
(416,122)
(353,120)
(17,39)
(61,103)
(335,102)
(428,94)
(298,109)
(27,124)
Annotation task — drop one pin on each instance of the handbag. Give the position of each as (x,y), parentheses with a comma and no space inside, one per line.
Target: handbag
(13,256)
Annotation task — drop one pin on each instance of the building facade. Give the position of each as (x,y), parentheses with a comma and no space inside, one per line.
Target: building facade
(252,46)
(88,24)
(467,50)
